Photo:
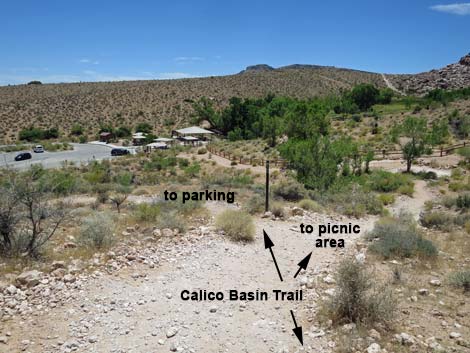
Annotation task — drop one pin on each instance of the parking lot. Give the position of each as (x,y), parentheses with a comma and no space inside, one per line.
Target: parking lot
(81,153)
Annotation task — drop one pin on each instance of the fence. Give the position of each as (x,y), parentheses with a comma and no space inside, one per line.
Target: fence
(378,155)
(436,152)
(278,162)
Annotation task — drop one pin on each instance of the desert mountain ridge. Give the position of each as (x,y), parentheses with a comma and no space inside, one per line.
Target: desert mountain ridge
(167,104)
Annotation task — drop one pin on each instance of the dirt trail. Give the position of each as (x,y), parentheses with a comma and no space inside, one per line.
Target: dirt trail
(413,205)
(391,86)
(136,309)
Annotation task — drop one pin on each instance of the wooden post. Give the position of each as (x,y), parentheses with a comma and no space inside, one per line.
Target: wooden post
(266,208)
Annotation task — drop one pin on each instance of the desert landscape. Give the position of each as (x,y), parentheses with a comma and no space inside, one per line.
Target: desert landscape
(299,206)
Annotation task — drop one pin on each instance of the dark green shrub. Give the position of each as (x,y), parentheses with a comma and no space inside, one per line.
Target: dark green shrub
(384,181)
(463,201)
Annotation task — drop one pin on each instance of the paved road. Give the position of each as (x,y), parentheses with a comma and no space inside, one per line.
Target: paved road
(81,153)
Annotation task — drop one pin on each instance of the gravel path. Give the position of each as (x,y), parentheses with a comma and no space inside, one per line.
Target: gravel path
(140,310)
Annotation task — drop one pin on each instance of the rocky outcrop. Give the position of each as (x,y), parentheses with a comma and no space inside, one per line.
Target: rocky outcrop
(452,76)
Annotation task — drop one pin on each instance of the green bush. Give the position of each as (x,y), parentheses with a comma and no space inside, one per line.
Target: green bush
(461,280)
(289,189)
(146,212)
(463,201)
(358,298)
(399,237)
(238,225)
(386,199)
(202,151)
(310,205)
(384,181)
(97,230)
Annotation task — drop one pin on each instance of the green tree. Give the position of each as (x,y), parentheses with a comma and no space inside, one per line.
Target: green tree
(146,128)
(415,129)
(365,95)
(204,110)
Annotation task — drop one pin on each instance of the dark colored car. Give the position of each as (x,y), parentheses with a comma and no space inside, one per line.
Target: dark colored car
(23,156)
(119,152)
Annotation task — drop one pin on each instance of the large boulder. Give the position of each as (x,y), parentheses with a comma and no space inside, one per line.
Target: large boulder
(465,60)
(29,278)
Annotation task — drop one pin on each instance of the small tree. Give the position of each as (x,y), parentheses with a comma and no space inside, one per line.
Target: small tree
(28,217)
(119,196)
(415,129)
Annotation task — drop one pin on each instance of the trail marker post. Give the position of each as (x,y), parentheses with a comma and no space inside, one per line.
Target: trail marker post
(266,208)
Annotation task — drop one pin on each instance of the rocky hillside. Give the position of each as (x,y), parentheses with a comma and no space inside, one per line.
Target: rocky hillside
(166,104)
(163,103)
(450,77)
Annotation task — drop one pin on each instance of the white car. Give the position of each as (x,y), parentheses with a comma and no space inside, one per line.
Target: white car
(38,149)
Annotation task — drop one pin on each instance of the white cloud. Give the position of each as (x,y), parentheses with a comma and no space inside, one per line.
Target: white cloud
(88,61)
(185,59)
(89,76)
(455,9)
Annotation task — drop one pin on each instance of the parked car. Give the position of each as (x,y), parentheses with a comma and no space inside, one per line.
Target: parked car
(119,151)
(38,149)
(23,156)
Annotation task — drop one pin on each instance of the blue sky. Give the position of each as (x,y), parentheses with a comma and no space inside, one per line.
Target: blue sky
(68,41)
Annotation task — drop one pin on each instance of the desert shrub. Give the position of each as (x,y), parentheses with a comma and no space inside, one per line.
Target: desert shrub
(436,219)
(429,175)
(255,204)
(399,237)
(310,205)
(406,190)
(59,182)
(228,178)
(289,189)
(384,181)
(97,230)
(172,220)
(386,199)
(353,201)
(358,298)
(124,178)
(202,151)
(277,210)
(146,212)
(461,280)
(238,225)
(463,201)
(192,170)
(449,201)
(462,219)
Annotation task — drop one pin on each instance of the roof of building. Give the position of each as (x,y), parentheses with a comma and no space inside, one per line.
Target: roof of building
(193,130)
(105,134)
(190,138)
(163,139)
(156,144)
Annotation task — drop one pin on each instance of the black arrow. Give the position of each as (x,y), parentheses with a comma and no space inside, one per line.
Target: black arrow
(269,244)
(297,330)
(303,264)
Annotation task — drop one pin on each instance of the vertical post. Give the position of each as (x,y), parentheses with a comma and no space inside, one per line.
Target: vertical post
(267,187)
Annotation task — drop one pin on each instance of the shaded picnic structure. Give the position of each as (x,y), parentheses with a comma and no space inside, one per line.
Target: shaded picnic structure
(194,135)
